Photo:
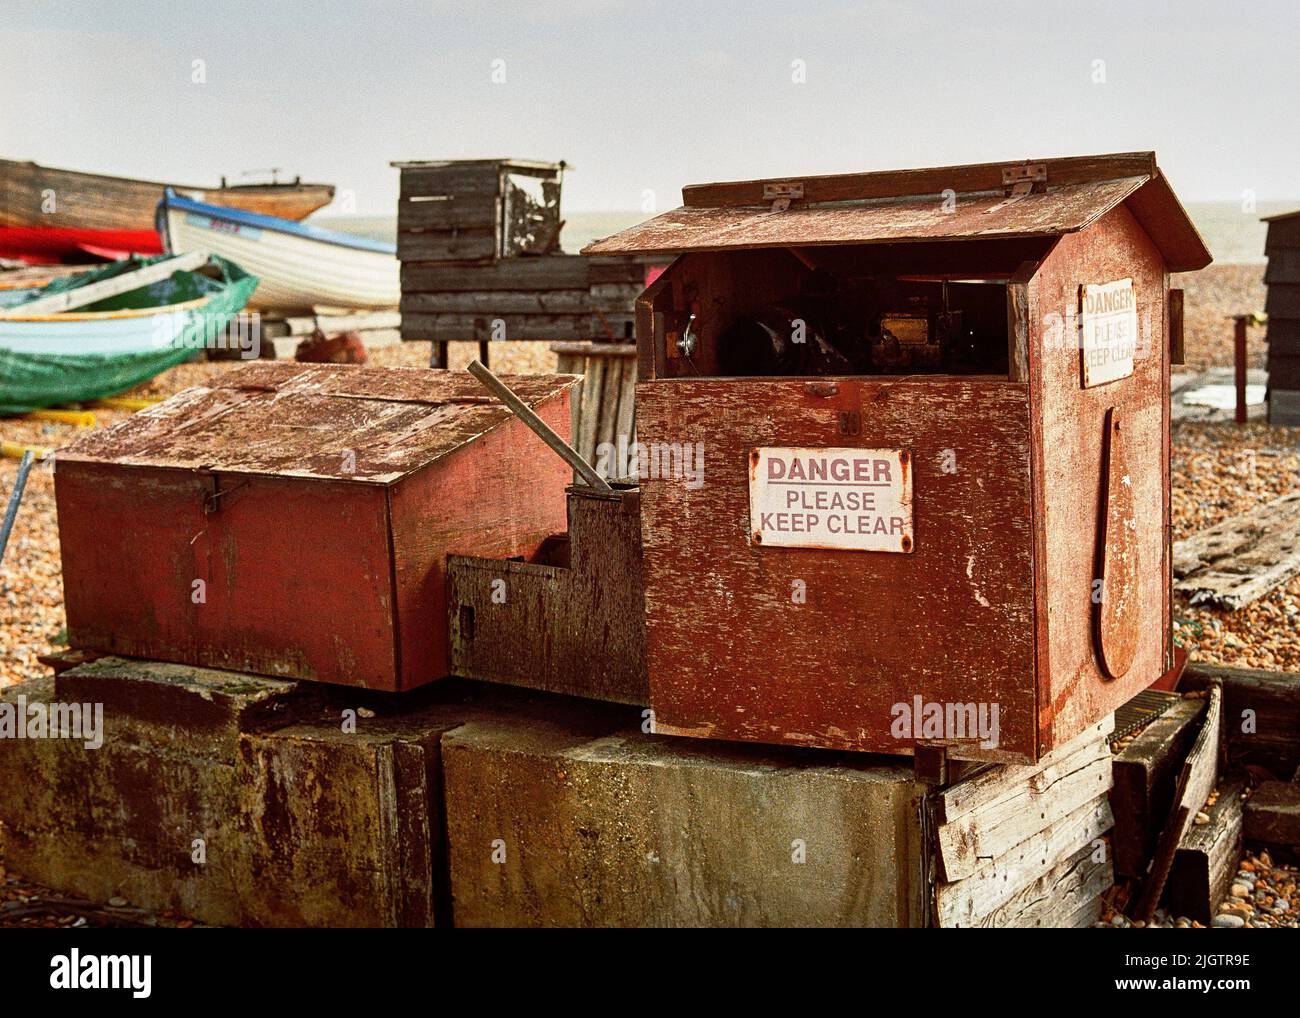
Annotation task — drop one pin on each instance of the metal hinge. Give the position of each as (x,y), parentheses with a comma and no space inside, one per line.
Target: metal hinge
(780,195)
(1019,181)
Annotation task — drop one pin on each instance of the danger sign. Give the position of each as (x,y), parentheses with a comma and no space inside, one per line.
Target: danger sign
(1109,331)
(850,499)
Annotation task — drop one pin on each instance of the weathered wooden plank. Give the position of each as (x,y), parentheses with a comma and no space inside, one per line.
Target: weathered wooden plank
(469,244)
(628,269)
(305,325)
(1283,300)
(1283,368)
(482,179)
(1263,711)
(1018,323)
(994,782)
(1194,786)
(1145,774)
(619,298)
(1283,265)
(549,272)
(1241,559)
(1062,896)
(626,426)
(929,180)
(1273,813)
(606,427)
(585,348)
(995,881)
(498,303)
(1284,407)
(1207,858)
(577,627)
(990,831)
(451,326)
(593,390)
(426,212)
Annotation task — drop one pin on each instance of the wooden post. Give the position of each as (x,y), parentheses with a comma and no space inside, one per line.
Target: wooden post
(1239,365)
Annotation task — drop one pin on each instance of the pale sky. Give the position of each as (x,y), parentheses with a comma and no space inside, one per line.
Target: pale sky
(645,97)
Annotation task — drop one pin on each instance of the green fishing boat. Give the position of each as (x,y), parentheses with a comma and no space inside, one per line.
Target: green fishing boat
(105,346)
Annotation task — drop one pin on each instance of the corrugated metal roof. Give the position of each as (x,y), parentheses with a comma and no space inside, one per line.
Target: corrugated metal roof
(301,420)
(908,206)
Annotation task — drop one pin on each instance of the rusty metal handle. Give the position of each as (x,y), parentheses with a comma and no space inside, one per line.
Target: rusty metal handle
(544,431)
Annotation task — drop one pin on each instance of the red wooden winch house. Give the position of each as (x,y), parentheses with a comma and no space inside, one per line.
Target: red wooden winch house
(999,337)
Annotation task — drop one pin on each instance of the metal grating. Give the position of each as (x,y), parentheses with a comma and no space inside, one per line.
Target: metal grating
(1141,711)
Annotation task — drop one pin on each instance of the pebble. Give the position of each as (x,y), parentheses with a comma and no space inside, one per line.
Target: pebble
(1238,890)
(1227,919)
(121,902)
(1202,819)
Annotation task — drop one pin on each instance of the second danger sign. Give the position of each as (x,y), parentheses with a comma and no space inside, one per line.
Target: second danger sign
(1110,329)
(851,499)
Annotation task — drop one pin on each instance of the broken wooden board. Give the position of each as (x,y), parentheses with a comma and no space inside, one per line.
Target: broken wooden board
(1273,814)
(995,882)
(1066,895)
(1207,859)
(1194,786)
(1146,772)
(1023,807)
(1243,558)
(995,780)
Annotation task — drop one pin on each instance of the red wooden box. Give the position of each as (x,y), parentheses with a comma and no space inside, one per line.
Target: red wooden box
(932,408)
(295,520)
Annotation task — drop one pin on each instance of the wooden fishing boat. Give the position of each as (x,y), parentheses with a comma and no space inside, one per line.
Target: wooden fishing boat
(49,213)
(126,335)
(300,266)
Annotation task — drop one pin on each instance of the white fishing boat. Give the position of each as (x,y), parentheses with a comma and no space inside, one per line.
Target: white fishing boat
(299,266)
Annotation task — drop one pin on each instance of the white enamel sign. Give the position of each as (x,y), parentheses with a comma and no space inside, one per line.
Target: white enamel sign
(850,499)
(1109,330)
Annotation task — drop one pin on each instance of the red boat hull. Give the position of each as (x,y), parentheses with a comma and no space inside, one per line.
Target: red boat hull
(45,244)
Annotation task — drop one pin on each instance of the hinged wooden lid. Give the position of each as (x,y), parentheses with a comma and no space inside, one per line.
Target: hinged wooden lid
(368,425)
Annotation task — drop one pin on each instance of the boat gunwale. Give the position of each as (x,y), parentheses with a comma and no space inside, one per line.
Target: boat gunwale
(289,227)
(104,316)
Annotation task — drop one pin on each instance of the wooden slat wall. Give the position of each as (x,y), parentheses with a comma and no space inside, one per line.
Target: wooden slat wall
(1283,306)
(1018,845)
(457,285)
(606,410)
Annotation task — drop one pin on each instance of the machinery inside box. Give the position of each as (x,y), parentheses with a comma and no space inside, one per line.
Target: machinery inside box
(849,318)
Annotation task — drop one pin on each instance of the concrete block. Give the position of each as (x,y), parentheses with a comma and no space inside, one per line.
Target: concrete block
(241,801)
(191,804)
(549,825)
(181,708)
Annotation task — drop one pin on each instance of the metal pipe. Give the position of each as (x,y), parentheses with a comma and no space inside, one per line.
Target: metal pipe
(544,431)
(15,496)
